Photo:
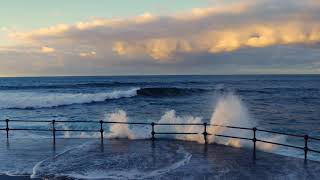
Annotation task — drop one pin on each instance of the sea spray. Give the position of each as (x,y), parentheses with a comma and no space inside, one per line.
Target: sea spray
(230,110)
(124,130)
(171,117)
(119,130)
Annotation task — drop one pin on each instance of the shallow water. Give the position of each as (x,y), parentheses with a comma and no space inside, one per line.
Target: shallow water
(144,159)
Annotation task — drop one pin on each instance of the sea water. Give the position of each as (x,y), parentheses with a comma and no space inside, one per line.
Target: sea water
(285,103)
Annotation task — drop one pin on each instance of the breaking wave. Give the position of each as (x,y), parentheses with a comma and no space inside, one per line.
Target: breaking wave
(64,86)
(90,85)
(31,100)
(25,100)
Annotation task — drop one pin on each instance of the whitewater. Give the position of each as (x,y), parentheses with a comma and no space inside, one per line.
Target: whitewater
(45,100)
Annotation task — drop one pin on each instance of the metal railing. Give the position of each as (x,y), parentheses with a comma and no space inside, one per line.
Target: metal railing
(205,132)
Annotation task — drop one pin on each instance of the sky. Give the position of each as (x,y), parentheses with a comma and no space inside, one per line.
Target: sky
(142,37)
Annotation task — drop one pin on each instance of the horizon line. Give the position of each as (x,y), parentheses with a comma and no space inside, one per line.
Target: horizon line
(123,75)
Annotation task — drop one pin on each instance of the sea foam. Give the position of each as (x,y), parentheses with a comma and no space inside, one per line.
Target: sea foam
(117,161)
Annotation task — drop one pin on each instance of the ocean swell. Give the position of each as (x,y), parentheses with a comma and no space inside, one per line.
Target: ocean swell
(31,100)
(168,91)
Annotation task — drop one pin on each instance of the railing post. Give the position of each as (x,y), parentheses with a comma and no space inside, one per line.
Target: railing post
(54,131)
(254,142)
(205,133)
(306,137)
(101,130)
(152,132)
(7,128)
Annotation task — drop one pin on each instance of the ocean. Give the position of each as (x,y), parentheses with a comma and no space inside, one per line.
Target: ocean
(284,103)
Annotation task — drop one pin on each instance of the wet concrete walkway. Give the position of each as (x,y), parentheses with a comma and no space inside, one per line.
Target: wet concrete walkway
(144,159)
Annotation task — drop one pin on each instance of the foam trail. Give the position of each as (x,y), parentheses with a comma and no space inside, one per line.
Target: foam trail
(23,100)
(88,162)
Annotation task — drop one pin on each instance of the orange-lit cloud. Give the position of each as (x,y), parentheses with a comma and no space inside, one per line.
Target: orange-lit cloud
(50,31)
(224,28)
(47,50)
(224,40)
(88,54)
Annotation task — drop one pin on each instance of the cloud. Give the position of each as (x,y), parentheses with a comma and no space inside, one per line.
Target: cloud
(88,54)
(225,28)
(148,40)
(158,49)
(225,40)
(47,50)
(50,31)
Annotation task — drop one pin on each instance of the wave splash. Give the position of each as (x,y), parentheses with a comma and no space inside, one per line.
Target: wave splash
(26,100)
(229,110)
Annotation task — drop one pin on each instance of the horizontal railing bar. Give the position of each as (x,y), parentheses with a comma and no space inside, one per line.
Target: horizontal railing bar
(46,121)
(232,127)
(312,150)
(141,123)
(275,132)
(57,121)
(286,145)
(25,129)
(222,135)
(313,138)
(175,133)
(78,130)
(76,121)
(182,124)
(114,122)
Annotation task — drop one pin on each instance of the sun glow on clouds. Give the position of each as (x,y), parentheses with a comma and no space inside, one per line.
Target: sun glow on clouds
(50,31)
(88,54)
(226,40)
(209,30)
(223,28)
(47,50)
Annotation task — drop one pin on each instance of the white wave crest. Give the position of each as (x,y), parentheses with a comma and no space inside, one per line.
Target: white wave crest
(23,100)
